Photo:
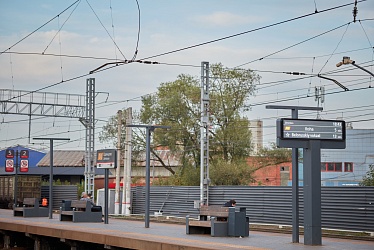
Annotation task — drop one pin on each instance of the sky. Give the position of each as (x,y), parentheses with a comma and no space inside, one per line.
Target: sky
(44,47)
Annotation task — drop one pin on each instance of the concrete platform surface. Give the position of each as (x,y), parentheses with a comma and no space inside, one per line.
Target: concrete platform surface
(162,236)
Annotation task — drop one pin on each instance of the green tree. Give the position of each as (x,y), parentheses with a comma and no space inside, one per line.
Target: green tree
(177,104)
(230,93)
(368,180)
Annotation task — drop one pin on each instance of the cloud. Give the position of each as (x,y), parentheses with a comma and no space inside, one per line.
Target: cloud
(227,19)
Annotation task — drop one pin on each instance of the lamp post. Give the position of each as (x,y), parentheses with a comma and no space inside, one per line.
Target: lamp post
(347,60)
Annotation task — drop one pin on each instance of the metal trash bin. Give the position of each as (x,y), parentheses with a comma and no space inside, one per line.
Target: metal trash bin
(66,205)
(238,222)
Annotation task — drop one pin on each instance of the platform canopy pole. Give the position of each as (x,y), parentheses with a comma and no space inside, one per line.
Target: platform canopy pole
(149,130)
(50,202)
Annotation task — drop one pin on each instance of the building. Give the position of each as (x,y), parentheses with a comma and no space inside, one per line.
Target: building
(339,167)
(257,136)
(346,167)
(276,175)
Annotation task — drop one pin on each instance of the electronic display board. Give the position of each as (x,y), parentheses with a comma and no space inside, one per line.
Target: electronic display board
(306,129)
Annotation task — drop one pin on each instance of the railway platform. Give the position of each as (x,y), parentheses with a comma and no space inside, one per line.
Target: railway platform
(127,234)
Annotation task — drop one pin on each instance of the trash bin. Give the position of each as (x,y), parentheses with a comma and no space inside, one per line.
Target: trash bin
(66,205)
(238,222)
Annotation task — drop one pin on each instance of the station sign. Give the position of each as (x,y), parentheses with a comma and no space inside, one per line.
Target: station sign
(306,129)
(24,154)
(106,158)
(9,153)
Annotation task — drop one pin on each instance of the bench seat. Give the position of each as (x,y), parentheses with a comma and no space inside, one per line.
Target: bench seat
(31,208)
(219,222)
(80,211)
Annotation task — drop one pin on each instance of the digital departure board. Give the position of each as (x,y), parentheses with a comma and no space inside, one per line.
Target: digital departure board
(306,129)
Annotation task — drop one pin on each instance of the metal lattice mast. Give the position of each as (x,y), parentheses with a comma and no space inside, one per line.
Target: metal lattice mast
(204,135)
(89,173)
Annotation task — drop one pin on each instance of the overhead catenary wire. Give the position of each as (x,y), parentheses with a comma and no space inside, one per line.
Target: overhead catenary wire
(250,31)
(304,97)
(199,66)
(230,36)
(60,28)
(40,27)
(114,42)
(293,45)
(174,64)
(138,33)
(341,39)
(292,19)
(114,37)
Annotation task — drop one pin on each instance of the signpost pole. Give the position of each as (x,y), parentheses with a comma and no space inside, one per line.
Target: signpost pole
(147,175)
(295,171)
(312,194)
(295,189)
(16,180)
(106,196)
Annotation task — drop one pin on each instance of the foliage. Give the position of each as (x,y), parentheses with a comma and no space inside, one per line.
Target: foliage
(230,91)
(368,180)
(272,156)
(222,172)
(178,104)
(110,130)
(58,182)
(240,172)
(185,176)
(230,173)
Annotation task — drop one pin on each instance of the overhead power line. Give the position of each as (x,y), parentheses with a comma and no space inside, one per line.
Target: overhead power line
(41,26)
(99,69)
(252,30)
(114,42)
(189,47)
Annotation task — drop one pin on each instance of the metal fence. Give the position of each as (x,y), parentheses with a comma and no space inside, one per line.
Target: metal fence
(347,208)
(60,193)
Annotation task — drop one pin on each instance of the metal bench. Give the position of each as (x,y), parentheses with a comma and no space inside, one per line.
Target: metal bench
(224,221)
(216,226)
(31,208)
(80,211)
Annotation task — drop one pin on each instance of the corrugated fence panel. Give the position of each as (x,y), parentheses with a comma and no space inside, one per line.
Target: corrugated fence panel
(349,208)
(60,193)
